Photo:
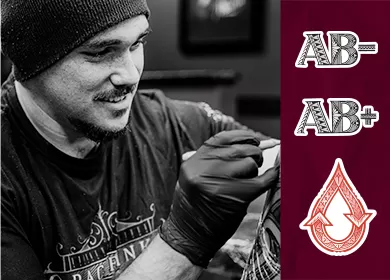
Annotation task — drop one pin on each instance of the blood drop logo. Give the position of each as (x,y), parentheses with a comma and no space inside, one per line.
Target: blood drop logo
(338,219)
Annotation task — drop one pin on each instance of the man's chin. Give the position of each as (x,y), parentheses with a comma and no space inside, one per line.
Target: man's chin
(105,135)
(98,133)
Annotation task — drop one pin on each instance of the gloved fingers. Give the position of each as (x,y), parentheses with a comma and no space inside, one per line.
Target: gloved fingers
(250,189)
(264,182)
(245,150)
(234,168)
(250,152)
(240,190)
(245,168)
(234,137)
(235,152)
(269,143)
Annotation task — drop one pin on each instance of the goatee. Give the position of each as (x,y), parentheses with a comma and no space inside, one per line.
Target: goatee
(96,133)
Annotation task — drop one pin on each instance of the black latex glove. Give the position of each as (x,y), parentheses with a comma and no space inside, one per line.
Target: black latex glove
(216,186)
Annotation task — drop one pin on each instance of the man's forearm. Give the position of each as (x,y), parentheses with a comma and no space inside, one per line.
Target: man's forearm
(160,261)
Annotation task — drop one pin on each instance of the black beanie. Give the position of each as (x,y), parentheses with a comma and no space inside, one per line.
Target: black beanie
(35,34)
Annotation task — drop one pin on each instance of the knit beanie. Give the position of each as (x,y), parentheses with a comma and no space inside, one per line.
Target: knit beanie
(35,34)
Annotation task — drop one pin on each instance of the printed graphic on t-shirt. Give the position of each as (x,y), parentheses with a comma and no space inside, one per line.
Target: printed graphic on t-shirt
(111,243)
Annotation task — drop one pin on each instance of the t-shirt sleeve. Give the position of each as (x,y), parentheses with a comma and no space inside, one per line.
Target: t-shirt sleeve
(18,260)
(201,122)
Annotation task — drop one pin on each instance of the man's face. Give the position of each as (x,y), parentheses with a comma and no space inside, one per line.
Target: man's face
(91,90)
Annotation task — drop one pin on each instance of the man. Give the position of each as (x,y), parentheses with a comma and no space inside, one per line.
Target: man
(90,164)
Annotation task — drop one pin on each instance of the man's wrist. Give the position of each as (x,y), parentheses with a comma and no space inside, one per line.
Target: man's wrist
(177,240)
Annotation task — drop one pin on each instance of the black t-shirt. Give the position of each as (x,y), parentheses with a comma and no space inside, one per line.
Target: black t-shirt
(69,218)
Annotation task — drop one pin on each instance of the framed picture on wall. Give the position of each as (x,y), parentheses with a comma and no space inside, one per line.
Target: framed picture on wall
(221,26)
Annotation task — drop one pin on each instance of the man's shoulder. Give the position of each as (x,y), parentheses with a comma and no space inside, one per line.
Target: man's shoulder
(6,87)
(11,163)
(10,160)
(6,127)
(151,93)
(182,110)
(153,105)
(12,171)
(154,98)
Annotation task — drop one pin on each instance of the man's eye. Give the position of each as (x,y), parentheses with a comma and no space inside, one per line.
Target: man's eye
(137,44)
(98,54)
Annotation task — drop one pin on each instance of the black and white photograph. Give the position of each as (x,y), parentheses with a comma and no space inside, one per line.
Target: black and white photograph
(140,139)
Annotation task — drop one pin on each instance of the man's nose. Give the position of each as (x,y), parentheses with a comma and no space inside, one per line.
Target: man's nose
(125,72)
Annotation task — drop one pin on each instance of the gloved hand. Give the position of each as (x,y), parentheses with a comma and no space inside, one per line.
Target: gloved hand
(216,186)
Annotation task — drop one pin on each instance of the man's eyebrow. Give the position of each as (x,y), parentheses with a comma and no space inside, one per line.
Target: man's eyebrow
(146,32)
(100,44)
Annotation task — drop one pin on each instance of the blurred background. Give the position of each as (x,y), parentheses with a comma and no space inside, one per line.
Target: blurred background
(231,49)
(225,53)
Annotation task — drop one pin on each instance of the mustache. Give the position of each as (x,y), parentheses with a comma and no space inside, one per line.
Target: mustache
(114,93)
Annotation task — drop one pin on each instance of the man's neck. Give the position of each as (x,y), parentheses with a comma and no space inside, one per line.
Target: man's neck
(66,140)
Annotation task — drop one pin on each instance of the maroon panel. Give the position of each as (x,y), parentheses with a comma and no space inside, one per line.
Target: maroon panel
(307,161)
